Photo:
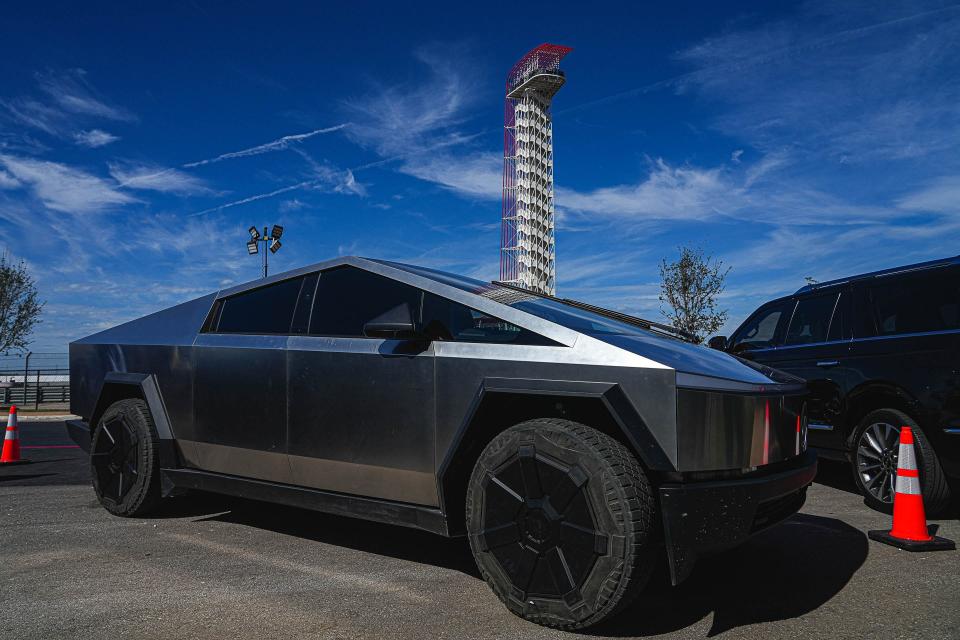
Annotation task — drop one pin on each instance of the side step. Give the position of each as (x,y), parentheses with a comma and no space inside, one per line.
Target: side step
(406,515)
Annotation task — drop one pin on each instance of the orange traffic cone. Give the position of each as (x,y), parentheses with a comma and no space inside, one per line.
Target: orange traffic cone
(909,519)
(11,442)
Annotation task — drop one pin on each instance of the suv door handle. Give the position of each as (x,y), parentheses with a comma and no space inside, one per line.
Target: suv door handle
(828,363)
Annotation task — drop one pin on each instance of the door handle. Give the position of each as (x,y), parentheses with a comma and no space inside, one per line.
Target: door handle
(828,363)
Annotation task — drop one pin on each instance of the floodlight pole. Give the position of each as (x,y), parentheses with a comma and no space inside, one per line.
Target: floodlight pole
(266,245)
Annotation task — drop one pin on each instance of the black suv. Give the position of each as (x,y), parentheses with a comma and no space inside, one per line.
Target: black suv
(878,351)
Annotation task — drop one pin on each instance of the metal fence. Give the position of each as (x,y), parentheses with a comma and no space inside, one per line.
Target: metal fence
(35,380)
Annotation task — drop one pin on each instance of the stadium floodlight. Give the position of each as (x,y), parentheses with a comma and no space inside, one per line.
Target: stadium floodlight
(271,242)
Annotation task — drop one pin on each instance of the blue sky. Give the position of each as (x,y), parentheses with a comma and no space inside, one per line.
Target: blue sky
(138,143)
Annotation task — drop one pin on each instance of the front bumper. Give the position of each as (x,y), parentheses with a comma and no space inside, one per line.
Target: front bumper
(700,518)
(79,432)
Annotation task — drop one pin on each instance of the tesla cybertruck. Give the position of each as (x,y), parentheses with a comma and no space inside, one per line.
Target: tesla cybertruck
(571,444)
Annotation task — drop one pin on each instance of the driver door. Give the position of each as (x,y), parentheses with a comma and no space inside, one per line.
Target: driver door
(361,410)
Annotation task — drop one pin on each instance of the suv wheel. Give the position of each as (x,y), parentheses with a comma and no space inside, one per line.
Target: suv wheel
(875,451)
(124,460)
(562,522)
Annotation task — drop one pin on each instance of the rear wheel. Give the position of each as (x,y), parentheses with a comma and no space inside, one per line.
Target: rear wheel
(875,455)
(124,460)
(562,522)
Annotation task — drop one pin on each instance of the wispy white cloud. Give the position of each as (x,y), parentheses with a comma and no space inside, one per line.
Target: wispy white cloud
(64,188)
(94,138)
(846,83)
(667,193)
(73,92)
(415,126)
(7,181)
(65,100)
(279,144)
(292,205)
(477,174)
(152,178)
(941,196)
(260,196)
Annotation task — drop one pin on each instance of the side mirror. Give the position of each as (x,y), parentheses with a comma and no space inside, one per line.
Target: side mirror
(718,342)
(395,324)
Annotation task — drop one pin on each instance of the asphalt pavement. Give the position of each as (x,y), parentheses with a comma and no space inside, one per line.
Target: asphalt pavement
(215,567)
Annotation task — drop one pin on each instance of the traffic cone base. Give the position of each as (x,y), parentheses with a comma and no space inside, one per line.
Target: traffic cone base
(935,543)
(910,531)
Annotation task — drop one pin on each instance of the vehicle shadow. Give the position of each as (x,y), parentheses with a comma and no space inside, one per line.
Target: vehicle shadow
(785,572)
(836,475)
(371,537)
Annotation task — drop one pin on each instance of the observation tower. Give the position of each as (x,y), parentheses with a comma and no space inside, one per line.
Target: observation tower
(527,247)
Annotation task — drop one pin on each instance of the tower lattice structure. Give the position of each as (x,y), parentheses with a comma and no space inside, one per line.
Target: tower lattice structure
(527,245)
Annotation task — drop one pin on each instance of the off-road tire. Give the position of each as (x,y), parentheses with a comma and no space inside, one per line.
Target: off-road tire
(933,482)
(124,460)
(562,523)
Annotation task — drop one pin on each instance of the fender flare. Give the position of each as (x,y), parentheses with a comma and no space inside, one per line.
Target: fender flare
(149,391)
(609,394)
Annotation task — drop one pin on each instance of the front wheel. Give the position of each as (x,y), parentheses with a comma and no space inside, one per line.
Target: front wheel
(124,459)
(875,452)
(562,523)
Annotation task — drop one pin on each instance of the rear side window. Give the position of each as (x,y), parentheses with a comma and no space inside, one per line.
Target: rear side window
(926,301)
(261,311)
(347,298)
(760,331)
(811,320)
(840,326)
(447,320)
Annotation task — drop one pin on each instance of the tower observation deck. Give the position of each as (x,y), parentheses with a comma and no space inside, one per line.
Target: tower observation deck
(527,247)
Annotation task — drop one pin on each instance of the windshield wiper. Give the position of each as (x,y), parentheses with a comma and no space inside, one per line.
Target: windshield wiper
(650,325)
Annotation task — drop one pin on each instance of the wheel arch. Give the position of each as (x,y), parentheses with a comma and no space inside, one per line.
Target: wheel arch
(502,403)
(142,386)
(872,396)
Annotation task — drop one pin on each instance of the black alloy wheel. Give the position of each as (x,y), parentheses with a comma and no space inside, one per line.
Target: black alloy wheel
(123,459)
(561,519)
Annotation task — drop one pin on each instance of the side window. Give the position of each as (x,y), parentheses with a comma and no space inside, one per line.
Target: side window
(811,320)
(760,331)
(926,301)
(347,298)
(262,311)
(840,326)
(447,320)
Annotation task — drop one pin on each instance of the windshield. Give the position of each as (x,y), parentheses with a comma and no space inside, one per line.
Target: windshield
(553,310)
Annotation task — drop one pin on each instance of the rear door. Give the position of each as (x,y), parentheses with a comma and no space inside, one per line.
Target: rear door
(816,347)
(240,385)
(907,328)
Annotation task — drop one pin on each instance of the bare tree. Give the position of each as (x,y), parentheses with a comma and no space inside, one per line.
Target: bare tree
(688,292)
(19,304)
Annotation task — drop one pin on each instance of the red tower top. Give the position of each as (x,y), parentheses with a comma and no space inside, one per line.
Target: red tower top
(543,59)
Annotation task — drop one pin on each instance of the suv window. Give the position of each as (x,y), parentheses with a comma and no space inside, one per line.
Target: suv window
(347,298)
(927,301)
(840,326)
(760,330)
(811,320)
(265,310)
(445,319)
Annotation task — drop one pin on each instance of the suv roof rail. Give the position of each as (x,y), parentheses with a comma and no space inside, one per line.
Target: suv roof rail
(919,266)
